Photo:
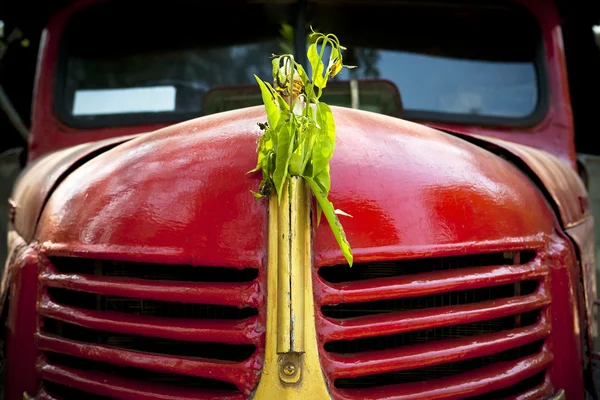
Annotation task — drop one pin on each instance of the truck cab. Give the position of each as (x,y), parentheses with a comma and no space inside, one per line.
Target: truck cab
(140,266)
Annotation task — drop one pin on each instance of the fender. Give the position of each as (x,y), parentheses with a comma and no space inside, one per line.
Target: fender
(38,180)
(18,287)
(31,191)
(567,194)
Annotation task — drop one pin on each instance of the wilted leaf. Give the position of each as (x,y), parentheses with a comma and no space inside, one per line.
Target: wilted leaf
(283,154)
(334,222)
(271,107)
(300,138)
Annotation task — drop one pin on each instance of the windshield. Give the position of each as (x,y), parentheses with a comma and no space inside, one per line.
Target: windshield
(153,66)
(445,62)
(448,61)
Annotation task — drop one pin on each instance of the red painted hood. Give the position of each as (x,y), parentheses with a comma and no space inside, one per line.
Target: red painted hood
(181,195)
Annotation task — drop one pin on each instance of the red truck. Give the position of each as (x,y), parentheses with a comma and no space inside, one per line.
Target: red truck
(140,266)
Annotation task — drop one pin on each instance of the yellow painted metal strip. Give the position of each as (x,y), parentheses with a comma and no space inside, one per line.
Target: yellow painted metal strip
(298,223)
(284,290)
(291,375)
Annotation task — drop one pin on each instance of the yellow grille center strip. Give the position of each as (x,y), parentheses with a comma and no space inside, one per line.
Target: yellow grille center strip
(292,369)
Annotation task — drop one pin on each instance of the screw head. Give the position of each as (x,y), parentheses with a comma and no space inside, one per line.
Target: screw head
(289,369)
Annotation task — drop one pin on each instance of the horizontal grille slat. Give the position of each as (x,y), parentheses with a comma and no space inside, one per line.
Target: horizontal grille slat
(147,344)
(429,354)
(535,387)
(422,284)
(50,389)
(434,327)
(113,385)
(235,373)
(150,308)
(220,331)
(417,302)
(415,337)
(408,267)
(151,271)
(158,331)
(496,376)
(406,321)
(232,294)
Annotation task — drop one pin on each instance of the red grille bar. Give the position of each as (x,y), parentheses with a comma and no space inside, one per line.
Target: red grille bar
(238,374)
(222,331)
(435,328)
(484,380)
(105,326)
(406,321)
(428,354)
(427,283)
(125,389)
(238,294)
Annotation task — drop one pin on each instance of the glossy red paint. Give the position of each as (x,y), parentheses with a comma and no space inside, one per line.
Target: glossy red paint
(554,133)
(567,321)
(428,283)
(239,294)
(120,388)
(21,353)
(426,355)
(36,182)
(331,329)
(180,196)
(482,381)
(183,329)
(239,374)
(563,184)
(463,200)
(160,198)
(567,193)
(426,193)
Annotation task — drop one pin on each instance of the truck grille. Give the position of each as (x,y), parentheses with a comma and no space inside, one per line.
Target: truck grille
(130,330)
(462,326)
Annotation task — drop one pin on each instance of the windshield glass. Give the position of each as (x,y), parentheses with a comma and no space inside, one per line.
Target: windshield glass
(448,61)
(442,61)
(160,65)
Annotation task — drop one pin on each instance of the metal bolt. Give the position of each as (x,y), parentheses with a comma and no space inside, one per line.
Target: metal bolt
(289,369)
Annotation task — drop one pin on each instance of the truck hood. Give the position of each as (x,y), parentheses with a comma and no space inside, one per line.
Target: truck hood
(182,195)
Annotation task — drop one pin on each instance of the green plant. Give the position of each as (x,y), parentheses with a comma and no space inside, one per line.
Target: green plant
(299,135)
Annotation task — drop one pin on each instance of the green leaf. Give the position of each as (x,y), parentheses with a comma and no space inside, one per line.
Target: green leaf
(326,121)
(308,144)
(300,139)
(323,179)
(317,65)
(296,159)
(334,222)
(322,153)
(273,112)
(283,154)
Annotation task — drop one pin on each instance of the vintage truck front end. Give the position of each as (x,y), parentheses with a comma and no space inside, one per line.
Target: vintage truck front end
(142,267)
(156,273)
